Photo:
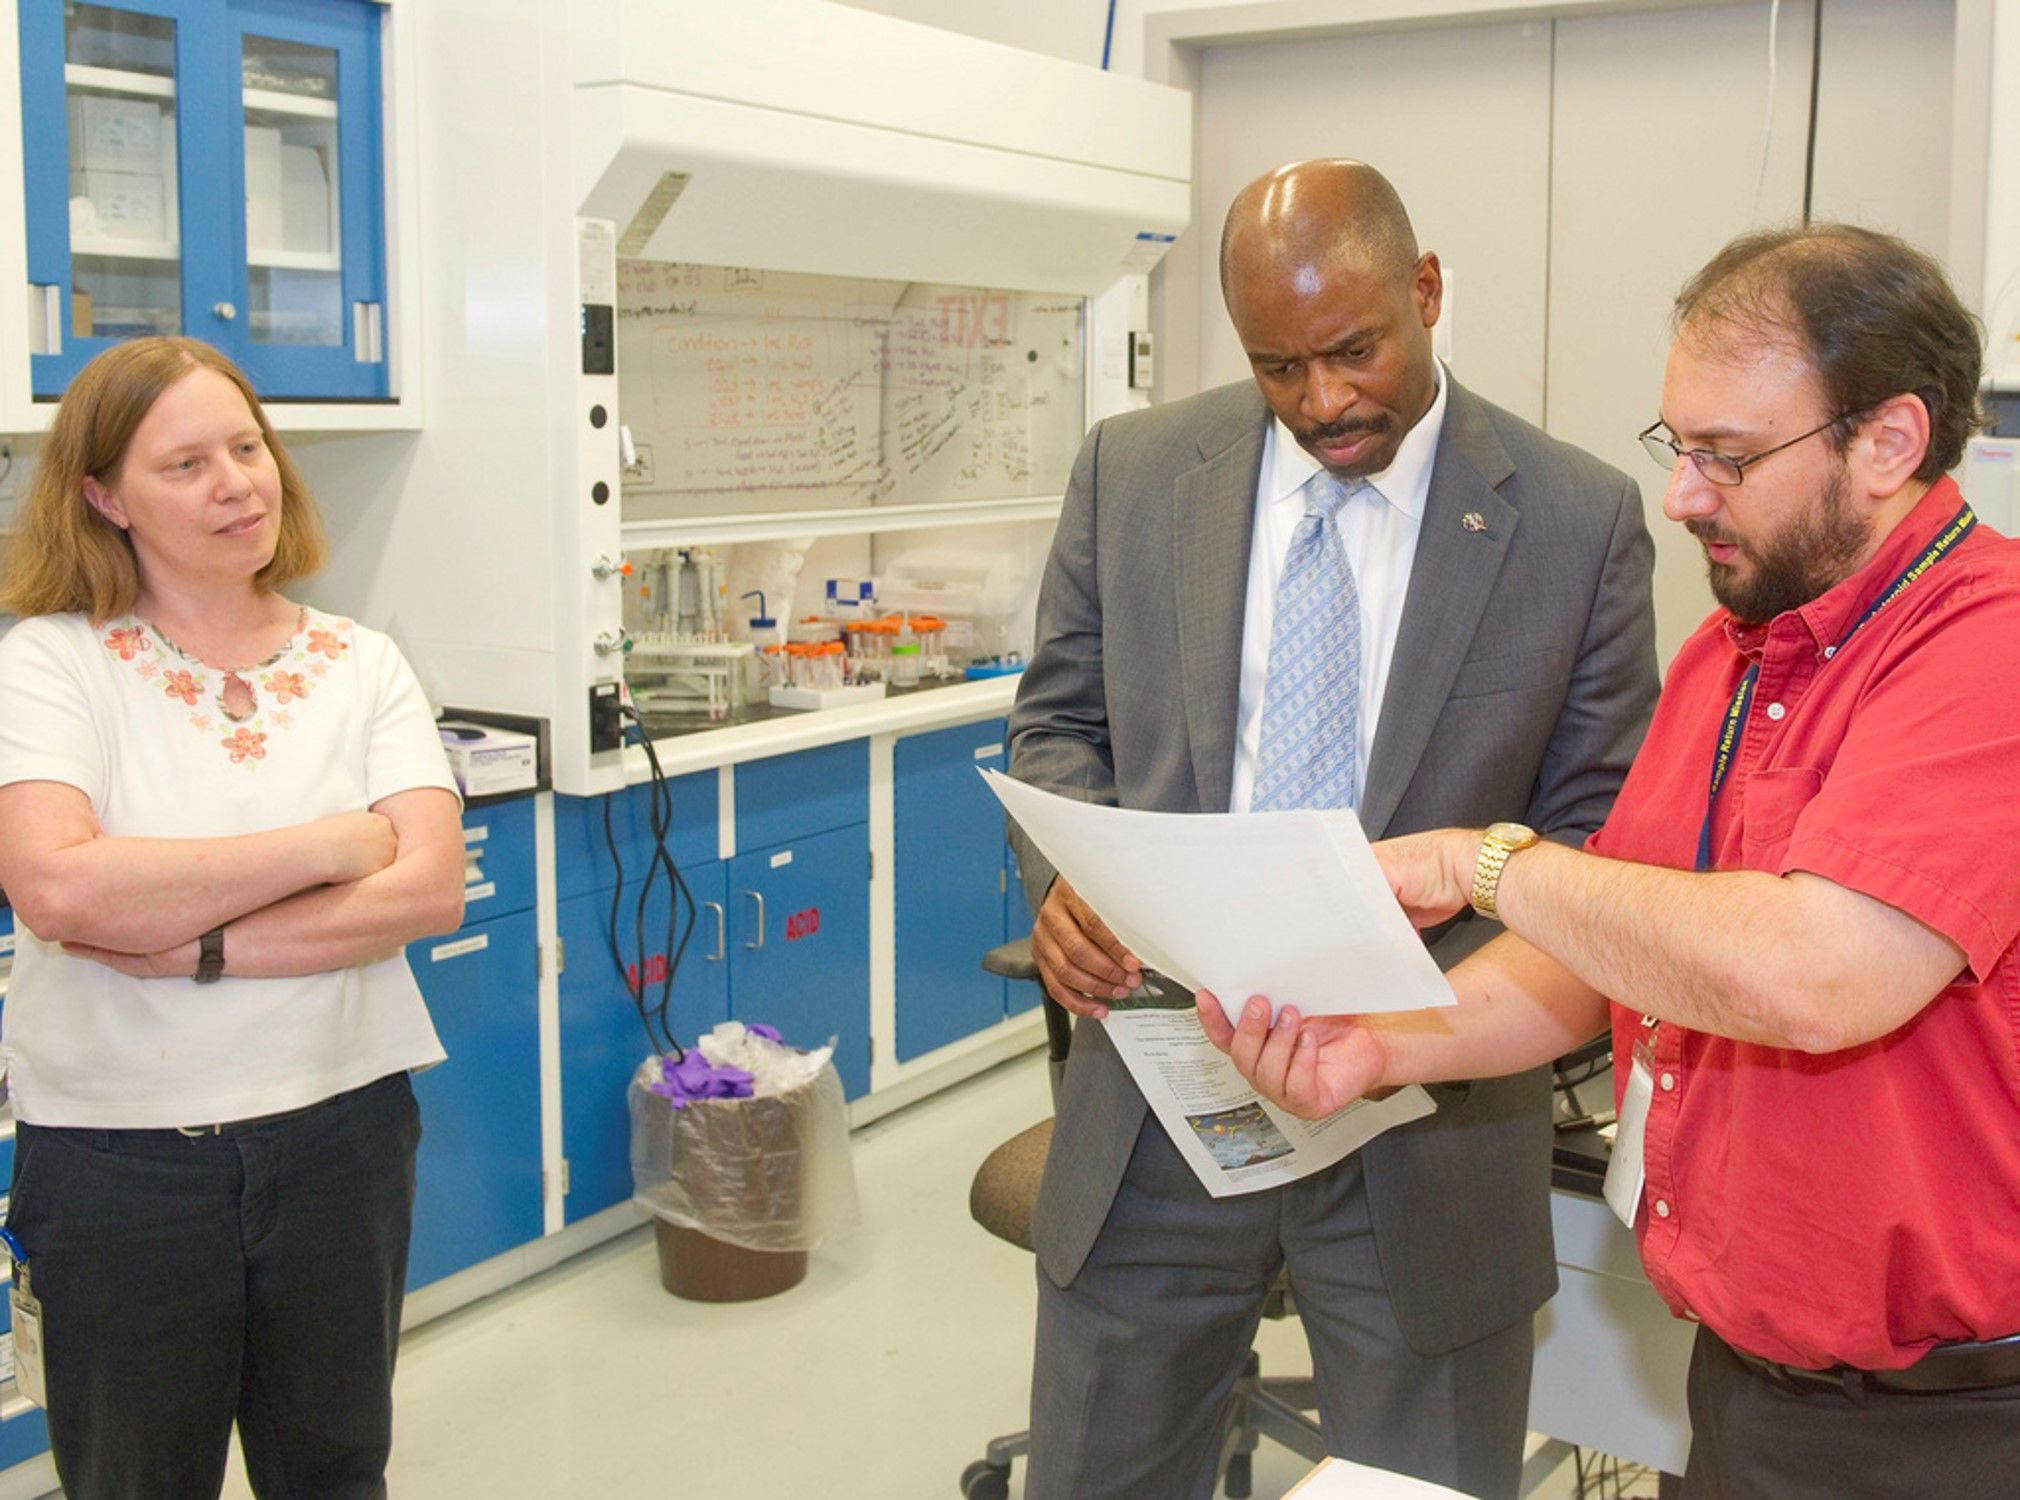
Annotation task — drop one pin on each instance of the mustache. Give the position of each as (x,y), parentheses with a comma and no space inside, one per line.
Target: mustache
(1341,431)
(1705,531)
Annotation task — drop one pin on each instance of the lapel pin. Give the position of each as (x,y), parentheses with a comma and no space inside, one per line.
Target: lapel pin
(1473,521)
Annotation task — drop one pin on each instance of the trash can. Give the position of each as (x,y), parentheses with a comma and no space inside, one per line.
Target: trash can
(701,1269)
(742,1188)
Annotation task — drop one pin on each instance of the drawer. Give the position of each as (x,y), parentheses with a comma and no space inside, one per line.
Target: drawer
(794,796)
(582,856)
(498,859)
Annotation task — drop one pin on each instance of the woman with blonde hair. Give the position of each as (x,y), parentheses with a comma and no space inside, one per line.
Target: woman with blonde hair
(222,817)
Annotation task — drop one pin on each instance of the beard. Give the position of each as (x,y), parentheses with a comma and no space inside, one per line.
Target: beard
(1811,554)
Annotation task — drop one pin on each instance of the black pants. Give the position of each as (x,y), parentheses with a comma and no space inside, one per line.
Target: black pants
(1755,1439)
(190,1282)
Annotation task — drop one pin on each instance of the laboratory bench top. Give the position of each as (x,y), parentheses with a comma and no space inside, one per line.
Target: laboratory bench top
(685,744)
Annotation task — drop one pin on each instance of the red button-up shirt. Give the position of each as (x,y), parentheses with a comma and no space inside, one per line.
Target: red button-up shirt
(1857,1207)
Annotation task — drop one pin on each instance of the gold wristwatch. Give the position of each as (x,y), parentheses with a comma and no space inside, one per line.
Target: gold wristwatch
(1500,841)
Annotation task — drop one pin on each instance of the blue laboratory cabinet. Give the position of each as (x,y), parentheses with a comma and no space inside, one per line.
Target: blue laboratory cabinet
(23,1431)
(211,168)
(477,1180)
(951,886)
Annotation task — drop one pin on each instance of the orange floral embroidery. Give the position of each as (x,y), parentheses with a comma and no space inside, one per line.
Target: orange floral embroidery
(200,722)
(147,670)
(285,686)
(245,745)
(328,642)
(181,685)
(281,718)
(319,670)
(127,642)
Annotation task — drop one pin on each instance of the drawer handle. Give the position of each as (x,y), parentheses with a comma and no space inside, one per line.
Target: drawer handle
(758,897)
(721,933)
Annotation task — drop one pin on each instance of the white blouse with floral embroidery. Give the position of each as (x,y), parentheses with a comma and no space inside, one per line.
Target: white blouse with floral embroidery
(167,747)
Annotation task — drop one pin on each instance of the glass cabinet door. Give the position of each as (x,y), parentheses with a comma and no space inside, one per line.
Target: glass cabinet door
(293,203)
(119,86)
(102,96)
(308,196)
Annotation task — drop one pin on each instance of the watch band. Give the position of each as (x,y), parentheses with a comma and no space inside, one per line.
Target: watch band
(210,957)
(1496,845)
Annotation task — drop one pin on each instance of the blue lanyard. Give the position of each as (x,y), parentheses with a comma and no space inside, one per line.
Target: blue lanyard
(1733,725)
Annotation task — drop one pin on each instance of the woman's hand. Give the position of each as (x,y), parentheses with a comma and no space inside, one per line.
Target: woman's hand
(1312,1067)
(178,962)
(359,844)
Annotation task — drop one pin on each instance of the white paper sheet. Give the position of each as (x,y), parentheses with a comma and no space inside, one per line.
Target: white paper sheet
(1291,905)
(1234,1140)
(1337,1479)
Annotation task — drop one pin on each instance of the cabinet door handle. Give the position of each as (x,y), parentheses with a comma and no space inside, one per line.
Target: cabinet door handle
(224,312)
(721,933)
(368,333)
(758,897)
(45,318)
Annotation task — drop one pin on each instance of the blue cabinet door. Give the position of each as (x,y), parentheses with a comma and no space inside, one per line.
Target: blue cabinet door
(602,1038)
(210,168)
(308,256)
(799,934)
(948,884)
(24,1434)
(118,111)
(478,1178)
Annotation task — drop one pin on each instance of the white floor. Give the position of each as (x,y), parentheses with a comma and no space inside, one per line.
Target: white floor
(882,1375)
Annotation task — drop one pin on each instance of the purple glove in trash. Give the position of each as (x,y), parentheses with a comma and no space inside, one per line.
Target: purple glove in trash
(695,1077)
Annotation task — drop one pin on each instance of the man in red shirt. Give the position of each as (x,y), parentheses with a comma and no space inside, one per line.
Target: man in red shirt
(1802,910)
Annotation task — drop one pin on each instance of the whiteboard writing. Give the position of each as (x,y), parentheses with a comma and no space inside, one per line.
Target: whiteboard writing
(786,390)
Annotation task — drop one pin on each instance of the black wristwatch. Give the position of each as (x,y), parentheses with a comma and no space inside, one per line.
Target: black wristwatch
(210,957)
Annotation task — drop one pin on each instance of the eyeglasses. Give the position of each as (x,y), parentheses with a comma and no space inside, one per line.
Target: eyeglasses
(1717,467)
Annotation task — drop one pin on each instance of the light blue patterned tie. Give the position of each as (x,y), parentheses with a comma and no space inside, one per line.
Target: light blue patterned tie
(1311,726)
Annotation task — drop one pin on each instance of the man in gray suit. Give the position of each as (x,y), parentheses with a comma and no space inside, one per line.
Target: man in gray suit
(1495,660)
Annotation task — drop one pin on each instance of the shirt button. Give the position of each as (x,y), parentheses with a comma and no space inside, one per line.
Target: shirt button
(1662,1208)
(1775,712)
(1668,1082)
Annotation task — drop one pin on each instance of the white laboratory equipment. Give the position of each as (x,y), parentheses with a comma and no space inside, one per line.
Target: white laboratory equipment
(732,138)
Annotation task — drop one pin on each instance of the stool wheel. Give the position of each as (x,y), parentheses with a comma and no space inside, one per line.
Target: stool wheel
(1240,1478)
(983,1480)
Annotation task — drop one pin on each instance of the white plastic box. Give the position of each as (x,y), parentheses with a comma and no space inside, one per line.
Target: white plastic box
(487,760)
(263,201)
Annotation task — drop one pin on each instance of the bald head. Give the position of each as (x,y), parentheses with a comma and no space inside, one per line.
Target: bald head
(1313,215)
(1334,308)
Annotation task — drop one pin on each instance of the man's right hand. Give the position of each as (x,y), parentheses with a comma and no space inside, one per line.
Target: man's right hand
(358,844)
(1080,962)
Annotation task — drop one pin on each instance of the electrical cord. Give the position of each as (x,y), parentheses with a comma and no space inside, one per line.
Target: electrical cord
(1816,82)
(654,1015)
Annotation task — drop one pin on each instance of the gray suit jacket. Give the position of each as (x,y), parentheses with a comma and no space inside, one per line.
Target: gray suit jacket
(1523,678)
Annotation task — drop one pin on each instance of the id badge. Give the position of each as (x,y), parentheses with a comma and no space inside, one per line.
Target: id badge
(1625,1167)
(27,1338)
